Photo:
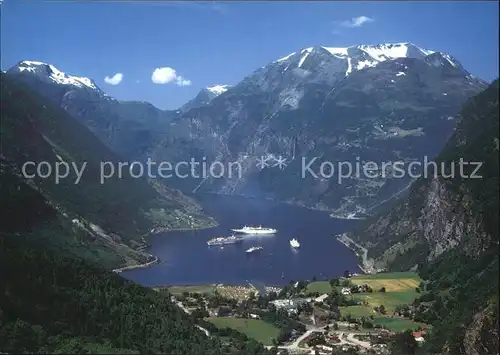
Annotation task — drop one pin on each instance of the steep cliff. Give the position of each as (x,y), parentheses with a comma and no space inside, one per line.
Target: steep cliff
(448,229)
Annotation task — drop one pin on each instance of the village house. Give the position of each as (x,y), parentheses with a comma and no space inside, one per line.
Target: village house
(419,336)
(329,349)
(346,291)
(321,298)
(290,305)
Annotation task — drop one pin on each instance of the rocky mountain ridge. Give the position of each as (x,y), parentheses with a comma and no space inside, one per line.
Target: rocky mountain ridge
(204,97)
(391,102)
(314,104)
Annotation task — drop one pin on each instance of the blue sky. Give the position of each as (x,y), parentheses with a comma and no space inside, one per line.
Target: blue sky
(221,42)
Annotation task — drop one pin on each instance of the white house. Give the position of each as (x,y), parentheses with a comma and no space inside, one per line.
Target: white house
(346,291)
(321,298)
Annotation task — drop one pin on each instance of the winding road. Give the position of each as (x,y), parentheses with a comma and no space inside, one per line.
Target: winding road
(181,306)
(294,346)
(349,338)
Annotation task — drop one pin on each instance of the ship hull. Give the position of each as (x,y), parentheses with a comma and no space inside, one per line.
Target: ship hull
(253,251)
(254,232)
(224,243)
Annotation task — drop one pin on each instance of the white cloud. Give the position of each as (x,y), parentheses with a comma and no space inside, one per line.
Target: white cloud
(163,75)
(167,75)
(182,82)
(114,80)
(356,21)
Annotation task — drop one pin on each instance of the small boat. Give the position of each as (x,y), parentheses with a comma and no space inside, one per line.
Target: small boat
(253,249)
(294,243)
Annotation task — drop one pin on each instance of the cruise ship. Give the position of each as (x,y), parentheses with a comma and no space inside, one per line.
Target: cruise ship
(225,240)
(255,230)
(294,243)
(254,249)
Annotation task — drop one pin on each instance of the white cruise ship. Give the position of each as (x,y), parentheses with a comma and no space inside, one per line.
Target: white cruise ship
(294,243)
(255,230)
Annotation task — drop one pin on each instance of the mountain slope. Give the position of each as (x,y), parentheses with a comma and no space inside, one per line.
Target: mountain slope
(121,209)
(128,128)
(54,302)
(375,103)
(448,228)
(204,97)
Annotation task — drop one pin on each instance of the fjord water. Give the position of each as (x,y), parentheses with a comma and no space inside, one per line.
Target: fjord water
(186,259)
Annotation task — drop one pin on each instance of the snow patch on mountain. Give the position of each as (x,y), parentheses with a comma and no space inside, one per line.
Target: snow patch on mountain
(384,52)
(307,51)
(362,56)
(218,89)
(365,63)
(338,52)
(286,57)
(450,60)
(54,74)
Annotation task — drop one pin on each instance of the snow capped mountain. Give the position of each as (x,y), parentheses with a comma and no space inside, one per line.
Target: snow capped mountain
(387,102)
(355,58)
(51,73)
(205,96)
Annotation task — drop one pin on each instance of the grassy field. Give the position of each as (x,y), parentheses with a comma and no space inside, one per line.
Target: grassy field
(357,311)
(389,275)
(400,290)
(393,282)
(178,290)
(389,299)
(253,328)
(397,324)
(319,286)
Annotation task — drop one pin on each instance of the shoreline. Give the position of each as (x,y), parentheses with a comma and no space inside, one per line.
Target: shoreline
(166,230)
(156,259)
(367,267)
(329,211)
(347,217)
(138,266)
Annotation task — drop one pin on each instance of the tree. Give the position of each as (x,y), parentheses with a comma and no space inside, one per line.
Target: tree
(334,282)
(381,309)
(404,343)
(367,324)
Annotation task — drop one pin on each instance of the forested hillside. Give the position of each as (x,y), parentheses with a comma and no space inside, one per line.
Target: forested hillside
(53,301)
(117,212)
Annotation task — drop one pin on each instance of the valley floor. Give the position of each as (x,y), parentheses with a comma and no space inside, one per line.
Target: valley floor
(373,310)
